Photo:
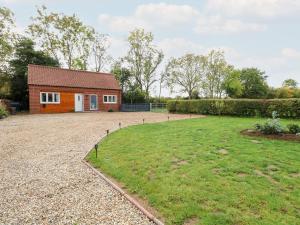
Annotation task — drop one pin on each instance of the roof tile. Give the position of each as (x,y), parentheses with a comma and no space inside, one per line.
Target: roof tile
(58,77)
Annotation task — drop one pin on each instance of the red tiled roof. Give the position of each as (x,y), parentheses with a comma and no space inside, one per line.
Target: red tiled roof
(53,76)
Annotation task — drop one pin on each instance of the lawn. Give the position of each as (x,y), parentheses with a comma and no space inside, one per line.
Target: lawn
(202,171)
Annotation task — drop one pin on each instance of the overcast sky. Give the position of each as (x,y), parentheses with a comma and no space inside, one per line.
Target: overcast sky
(259,33)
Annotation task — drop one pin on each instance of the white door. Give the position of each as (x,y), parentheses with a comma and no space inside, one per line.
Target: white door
(78,103)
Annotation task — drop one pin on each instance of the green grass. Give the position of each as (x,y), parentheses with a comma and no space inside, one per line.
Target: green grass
(178,168)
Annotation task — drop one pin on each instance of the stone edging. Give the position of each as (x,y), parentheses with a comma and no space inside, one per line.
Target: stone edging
(117,188)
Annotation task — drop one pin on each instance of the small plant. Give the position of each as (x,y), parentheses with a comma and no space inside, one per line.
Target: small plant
(3,112)
(110,110)
(293,128)
(272,126)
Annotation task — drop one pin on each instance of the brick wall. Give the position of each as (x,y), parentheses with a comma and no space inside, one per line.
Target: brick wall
(67,102)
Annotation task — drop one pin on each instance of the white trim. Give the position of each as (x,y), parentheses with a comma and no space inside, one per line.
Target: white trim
(96,102)
(47,93)
(110,102)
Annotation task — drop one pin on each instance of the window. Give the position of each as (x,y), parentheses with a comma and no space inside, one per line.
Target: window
(109,98)
(93,102)
(49,98)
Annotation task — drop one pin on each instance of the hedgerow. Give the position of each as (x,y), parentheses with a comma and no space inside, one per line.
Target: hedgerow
(286,108)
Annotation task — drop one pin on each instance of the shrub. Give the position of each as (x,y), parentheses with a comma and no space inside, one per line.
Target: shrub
(293,128)
(110,110)
(272,126)
(286,108)
(3,112)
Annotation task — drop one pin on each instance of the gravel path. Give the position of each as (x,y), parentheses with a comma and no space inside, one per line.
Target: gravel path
(42,177)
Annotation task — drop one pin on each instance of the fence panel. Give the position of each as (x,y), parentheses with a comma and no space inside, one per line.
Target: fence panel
(143,107)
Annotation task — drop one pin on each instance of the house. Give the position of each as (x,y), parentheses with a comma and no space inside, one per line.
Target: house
(57,90)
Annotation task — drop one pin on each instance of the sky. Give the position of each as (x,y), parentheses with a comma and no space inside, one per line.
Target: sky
(253,33)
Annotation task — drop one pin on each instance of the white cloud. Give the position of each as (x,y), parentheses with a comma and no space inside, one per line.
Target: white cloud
(150,16)
(176,47)
(219,25)
(290,53)
(262,8)
(171,16)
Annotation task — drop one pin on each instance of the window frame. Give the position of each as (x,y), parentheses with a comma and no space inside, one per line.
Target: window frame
(108,102)
(47,99)
(97,104)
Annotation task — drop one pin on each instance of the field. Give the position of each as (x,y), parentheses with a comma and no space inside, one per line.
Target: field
(203,171)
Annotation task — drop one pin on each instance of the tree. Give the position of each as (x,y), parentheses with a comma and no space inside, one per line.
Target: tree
(63,37)
(216,70)
(143,58)
(185,73)
(232,84)
(7,37)
(24,55)
(99,52)
(290,83)
(122,74)
(254,83)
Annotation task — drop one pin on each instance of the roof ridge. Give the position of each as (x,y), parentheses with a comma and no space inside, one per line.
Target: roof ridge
(59,68)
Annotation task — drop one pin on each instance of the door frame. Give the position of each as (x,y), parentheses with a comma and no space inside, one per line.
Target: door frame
(76,100)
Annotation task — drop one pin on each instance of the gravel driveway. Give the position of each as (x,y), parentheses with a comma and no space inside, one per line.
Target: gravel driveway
(42,177)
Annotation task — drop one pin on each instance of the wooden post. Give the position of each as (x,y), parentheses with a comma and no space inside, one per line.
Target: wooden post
(107,132)
(143,121)
(120,125)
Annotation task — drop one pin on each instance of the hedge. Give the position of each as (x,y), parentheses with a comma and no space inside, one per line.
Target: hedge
(286,108)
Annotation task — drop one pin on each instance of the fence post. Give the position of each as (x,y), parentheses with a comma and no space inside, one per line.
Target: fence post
(96,148)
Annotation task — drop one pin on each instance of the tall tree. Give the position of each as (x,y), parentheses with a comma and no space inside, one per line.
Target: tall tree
(7,37)
(254,83)
(185,73)
(291,83)
(99,53)
(216,70)
(232,84)
(25,54)
(122,74)
(143,58)
(63,37)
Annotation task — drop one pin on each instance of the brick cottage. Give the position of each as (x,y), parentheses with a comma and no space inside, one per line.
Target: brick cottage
(56,90)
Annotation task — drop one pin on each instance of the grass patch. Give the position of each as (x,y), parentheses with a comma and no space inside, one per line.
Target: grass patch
(205,171)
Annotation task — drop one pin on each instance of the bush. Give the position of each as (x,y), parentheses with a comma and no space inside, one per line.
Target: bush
(272,126)
(293,128)
(3,112)
(286,108)
(110,110)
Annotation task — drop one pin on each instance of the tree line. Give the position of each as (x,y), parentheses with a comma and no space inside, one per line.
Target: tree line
(65,41)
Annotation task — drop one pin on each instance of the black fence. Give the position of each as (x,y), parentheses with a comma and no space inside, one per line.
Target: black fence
(142,107)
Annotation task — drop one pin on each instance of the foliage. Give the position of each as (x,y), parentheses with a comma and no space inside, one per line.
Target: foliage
(143,58)
(293,128)
(254,83)
(286,108)
(291,83)
(3,112)
(25,54)
(100,45)
(232,84)
(185,72)
(178,168)
(110,110)
(272,126)
(135,95)
(215,70)
(122,74)
(68,40)
(7,38)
